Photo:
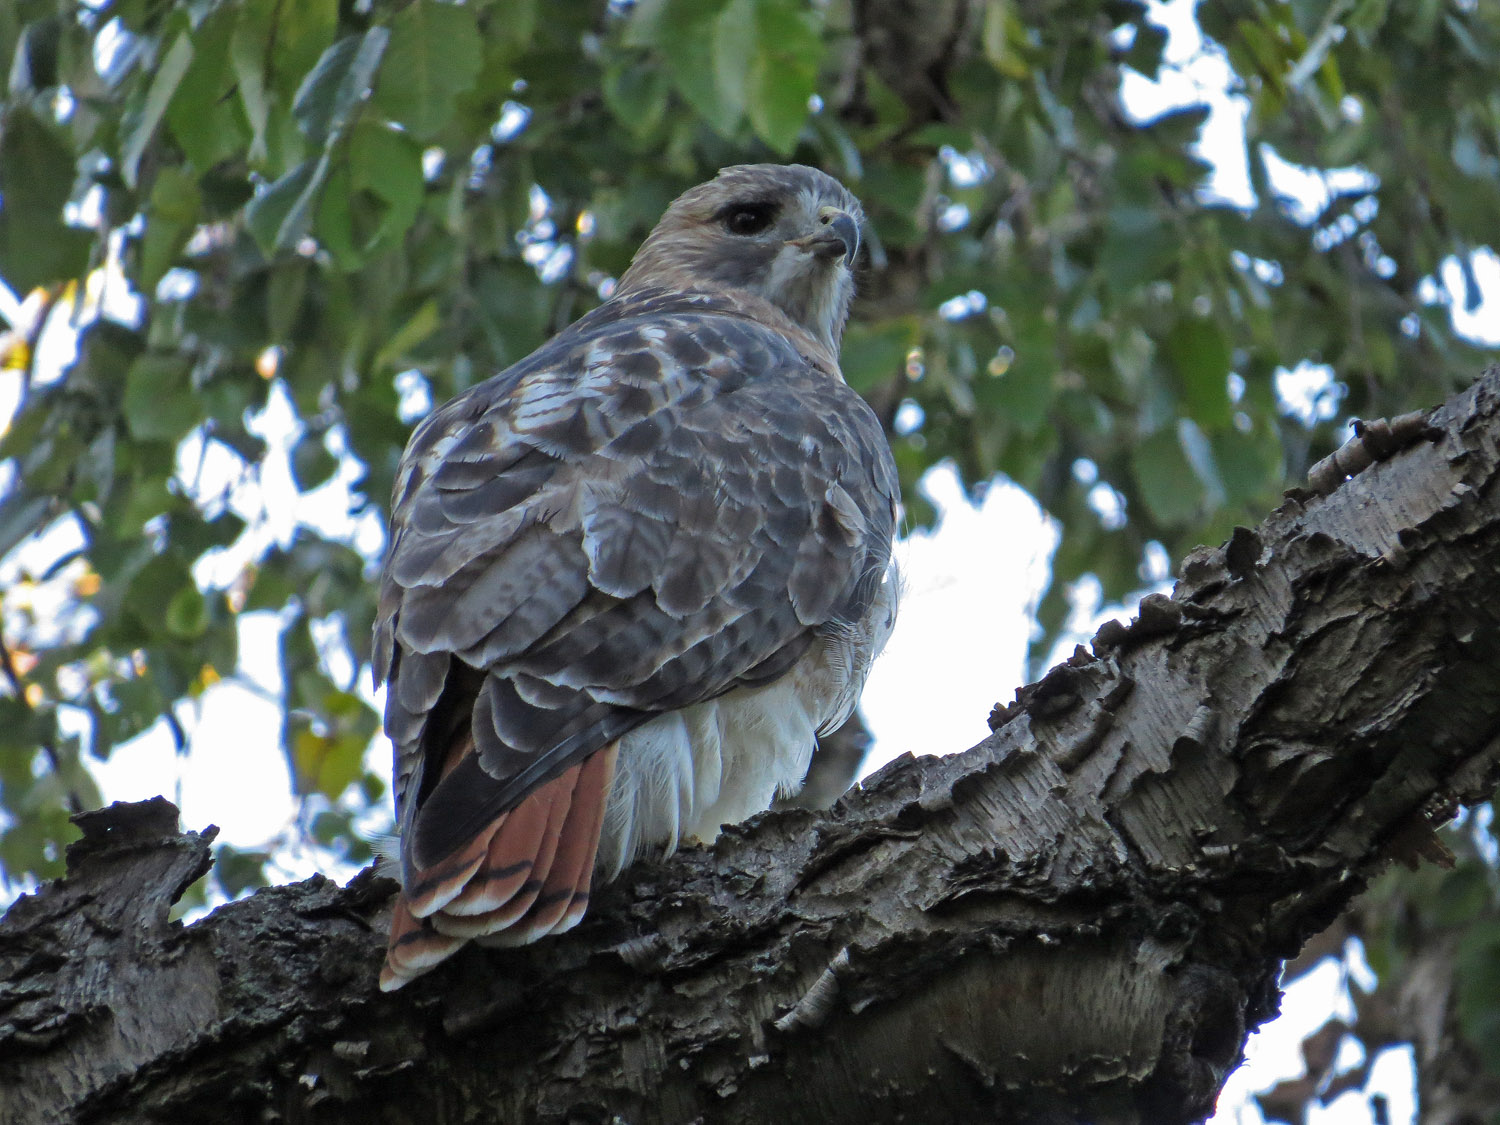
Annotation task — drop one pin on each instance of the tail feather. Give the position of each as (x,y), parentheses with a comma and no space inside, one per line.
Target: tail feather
(580,900)
(509,902)
(517,853)
(525,875)
(438,885)
(518,907)
(415,947)
(565,891)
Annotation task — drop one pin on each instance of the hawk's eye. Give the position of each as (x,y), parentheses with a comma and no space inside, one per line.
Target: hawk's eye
(747,218)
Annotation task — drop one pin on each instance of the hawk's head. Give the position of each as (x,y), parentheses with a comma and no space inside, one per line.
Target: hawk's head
(788,233)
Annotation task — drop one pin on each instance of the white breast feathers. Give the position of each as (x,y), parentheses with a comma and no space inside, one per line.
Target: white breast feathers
(684,774)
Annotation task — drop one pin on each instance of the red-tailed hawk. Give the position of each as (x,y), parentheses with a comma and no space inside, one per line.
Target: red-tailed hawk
(634,576)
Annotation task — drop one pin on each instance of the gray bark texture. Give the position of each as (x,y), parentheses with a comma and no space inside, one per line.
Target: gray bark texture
(1079,919)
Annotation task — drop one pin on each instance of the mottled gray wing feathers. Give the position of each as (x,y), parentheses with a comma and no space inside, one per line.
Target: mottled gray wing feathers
(500,603)
(648,511)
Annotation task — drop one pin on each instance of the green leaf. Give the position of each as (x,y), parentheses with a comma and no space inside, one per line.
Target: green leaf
(1200,455)
(387,164)
(36,179)
(1201,353)
(137,134)
(1368,15)
(139,703)
(35,842)
(285,291)
(146,497)
(1180,127)
(328,826)
(1265,53)
(1022,391)
(735,41)
(187,614)
(192,534)
(1463,895)
(171,218)
(158,403)
(239,871)
(784,73)
(1477,965)
(1136,248)
(875,353)
(303,32)
(335,220)
(647,23)
(513,33)
(368,203)
(156,589)
(335,89)
(1249,464)
(999,34)
(434,56)
(636,94)
(206,120)
(33,66)
(372,788)
(1145,52)
(311,463)
(274,46)
(420,325)
(22,517)
(249,54)
(1168,484)
(330,763)
(683,32)
(282,214)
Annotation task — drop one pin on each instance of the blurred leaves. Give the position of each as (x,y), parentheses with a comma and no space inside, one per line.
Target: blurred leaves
(36,180)
(785,51)
(434,56)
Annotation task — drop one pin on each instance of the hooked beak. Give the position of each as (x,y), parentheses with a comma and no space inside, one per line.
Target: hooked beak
(837,236)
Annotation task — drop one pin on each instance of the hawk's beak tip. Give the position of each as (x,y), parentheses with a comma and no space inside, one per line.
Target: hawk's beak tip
(836,229)
(847,232)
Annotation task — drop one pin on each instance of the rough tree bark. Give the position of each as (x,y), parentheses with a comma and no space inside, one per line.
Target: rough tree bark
(1078,919)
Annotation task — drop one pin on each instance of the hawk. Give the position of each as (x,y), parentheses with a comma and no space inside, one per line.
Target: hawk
(634,576)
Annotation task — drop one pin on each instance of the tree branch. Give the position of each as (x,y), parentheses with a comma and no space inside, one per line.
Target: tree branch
(1078,919)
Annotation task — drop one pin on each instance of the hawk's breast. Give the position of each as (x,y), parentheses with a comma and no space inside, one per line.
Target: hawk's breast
(683,775)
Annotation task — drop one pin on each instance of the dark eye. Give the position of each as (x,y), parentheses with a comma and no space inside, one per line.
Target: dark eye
(747,218)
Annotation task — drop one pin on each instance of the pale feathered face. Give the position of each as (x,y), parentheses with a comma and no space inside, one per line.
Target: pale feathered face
(787,233)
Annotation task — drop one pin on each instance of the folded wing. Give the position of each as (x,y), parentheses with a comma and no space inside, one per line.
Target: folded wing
(665,503)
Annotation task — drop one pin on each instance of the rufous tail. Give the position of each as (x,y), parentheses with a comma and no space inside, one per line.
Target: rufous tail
(523,876)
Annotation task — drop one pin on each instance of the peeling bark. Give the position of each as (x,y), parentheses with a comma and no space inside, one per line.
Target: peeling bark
(1078,919)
